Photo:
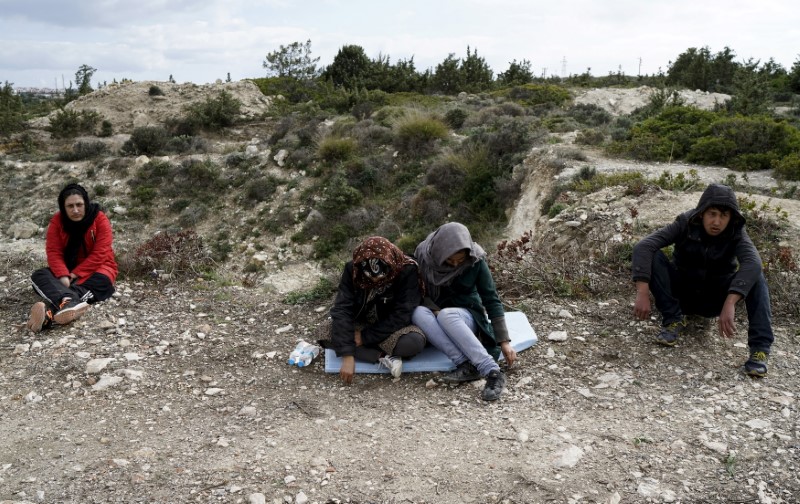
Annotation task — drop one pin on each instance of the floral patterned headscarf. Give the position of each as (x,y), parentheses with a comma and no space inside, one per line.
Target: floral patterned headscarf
(377,262)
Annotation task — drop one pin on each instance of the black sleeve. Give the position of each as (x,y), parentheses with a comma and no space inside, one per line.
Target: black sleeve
(644,251)
(343,315)
(406,297)
(749,266)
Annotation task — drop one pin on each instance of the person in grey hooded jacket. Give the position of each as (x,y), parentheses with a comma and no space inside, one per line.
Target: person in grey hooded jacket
(714,265)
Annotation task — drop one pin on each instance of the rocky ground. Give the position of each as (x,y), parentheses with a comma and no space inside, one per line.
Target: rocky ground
(179,391)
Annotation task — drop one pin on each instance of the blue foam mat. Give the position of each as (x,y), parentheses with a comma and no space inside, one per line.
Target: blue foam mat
(522,336)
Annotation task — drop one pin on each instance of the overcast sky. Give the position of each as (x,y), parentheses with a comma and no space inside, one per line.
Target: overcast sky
(45,41)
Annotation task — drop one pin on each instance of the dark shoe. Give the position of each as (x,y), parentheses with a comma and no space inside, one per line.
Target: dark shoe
(495,382)
(70,311)
(669,333)
(756,365)
(39,318)
(464,372)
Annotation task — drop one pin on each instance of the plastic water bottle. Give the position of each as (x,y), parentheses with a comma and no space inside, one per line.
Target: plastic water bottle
(303,354)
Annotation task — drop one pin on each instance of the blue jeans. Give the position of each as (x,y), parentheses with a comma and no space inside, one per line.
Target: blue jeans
(453,332)
(674,299)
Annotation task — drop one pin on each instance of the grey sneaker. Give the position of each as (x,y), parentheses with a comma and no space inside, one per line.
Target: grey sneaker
(756,365)
(70,311)
(670,332)
(39,318)
(464,372)
(495,383)
(393,364)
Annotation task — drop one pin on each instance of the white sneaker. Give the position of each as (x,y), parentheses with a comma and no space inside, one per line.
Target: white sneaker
(393,364)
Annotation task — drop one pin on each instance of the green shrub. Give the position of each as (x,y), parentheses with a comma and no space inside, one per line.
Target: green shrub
(12,111)
(590,136)
(415,134)
(589,114)
(535,94)
(788,168)
(261,189)
(186,144)
(146,140)
(215,113)
(455,117)
(324,290)
(83,150)
(333,149)
(100,190)
(155,91)
(339,196)
(69,123)
(106,129)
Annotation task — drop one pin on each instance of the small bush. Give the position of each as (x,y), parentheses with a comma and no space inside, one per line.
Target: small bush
(415,135)
(536,94)
(261,189)
(69,123)
(788,168)
(324,290)
(185,144)
(333,149)
(455,117)
(180,254)
(84,150)
(589,114)
(146,140)
(106,129)
(155,91)
(590,136)
(216,113)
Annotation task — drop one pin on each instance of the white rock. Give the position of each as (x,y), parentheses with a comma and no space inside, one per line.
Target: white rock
(557,336)
(213,391)
(565,314)
(523,436)
(248,411)
(257,498)
(568,457)
(32,397)
(431,384)
(524,381)
(94,366)
(716,446)
(757,423)
(550,353)
(83,355)
(23,230)
(585,392)
(281,156)
(21,349)
(301,498)
(132,374)
(284,329)
(105,382)
(289,479)
(132,356)
(615,498)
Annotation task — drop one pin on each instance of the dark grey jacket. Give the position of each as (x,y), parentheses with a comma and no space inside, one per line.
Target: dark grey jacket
(703,260)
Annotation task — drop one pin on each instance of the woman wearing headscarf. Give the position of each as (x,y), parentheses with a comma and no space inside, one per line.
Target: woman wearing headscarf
(81,266)
(371,316)
(460,295)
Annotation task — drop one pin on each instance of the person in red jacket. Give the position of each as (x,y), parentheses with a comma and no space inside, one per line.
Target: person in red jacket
(81,266)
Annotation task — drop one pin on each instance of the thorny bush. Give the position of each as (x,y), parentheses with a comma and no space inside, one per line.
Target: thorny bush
(180,255)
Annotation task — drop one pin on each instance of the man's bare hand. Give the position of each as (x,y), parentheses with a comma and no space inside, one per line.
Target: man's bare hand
(348,369)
